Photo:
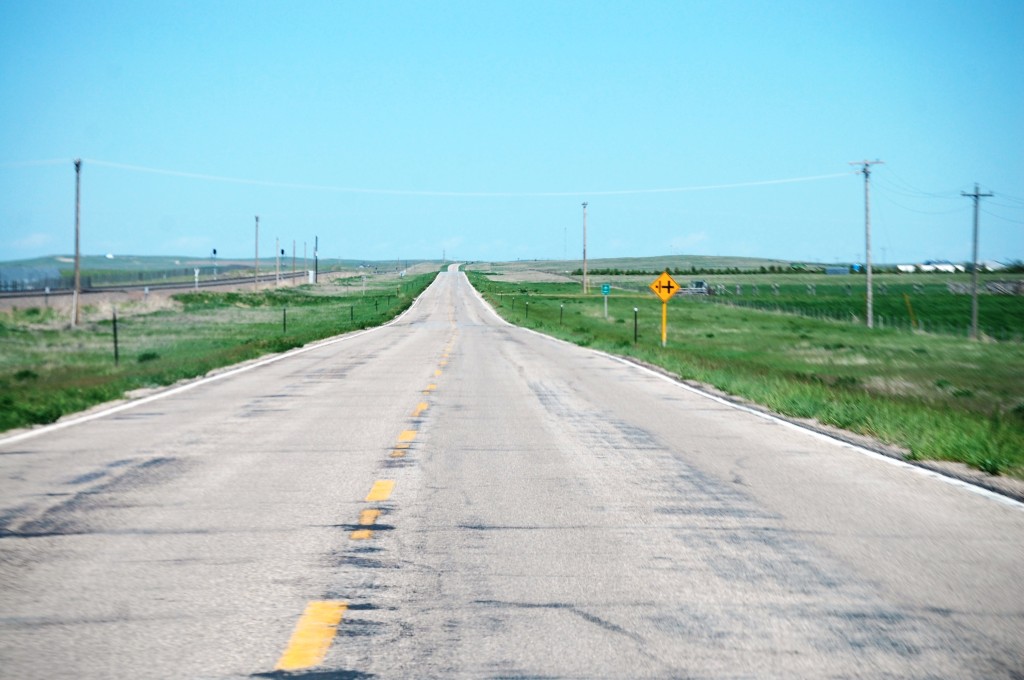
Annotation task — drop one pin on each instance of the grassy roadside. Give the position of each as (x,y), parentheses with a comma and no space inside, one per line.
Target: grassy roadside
(47,371)
(941,397)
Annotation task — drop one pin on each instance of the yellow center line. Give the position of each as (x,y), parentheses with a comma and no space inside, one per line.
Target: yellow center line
(312,635)
(420,408)
(437,372)
(381,490)
(367,518)
(398,453)
(407,435)
(430,388)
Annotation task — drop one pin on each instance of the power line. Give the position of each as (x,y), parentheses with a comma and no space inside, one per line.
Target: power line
(456,194)
(922,212)
(1000,217)
(29,164)
(951,193)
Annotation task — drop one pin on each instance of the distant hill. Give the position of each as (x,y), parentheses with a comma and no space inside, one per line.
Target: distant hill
(146,263)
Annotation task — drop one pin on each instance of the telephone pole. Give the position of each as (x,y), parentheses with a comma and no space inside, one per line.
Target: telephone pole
(585,248)
(977,195)
(78,257)
(256,259)
(867,237)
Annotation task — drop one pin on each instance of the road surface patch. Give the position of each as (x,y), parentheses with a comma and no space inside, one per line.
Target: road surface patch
(313,635)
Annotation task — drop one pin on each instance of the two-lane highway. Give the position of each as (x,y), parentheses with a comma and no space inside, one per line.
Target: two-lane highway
(450,496)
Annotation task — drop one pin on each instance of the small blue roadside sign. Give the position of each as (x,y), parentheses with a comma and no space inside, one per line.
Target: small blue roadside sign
(606,289)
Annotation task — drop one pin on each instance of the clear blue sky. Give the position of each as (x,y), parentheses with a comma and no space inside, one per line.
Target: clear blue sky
(536,105)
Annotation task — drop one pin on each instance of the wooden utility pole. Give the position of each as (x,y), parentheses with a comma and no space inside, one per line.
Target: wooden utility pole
(256,259)
(78,256)
(867,238)
(585,286)
(974,260)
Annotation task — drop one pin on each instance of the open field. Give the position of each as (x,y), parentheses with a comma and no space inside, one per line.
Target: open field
(47,370)
(97,271)
(901,301)
(938,396)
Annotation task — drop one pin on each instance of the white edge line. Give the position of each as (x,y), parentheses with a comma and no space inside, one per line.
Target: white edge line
(78,420)
(952,481)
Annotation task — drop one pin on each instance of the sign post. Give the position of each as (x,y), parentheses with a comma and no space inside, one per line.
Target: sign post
(664,287)
(606,289)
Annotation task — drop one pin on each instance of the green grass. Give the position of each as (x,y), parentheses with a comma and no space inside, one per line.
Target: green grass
(940,396)
(47,371)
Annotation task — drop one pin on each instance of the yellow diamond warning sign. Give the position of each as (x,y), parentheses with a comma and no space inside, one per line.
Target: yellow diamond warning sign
(664,287)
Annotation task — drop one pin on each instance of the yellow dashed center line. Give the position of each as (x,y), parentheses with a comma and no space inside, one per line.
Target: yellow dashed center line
(437,372)
(407,435)
(381,490)
(366,518)
(430,388)
(420,408)
(313,635)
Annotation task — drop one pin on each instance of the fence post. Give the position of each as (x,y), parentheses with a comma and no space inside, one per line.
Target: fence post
(117,355)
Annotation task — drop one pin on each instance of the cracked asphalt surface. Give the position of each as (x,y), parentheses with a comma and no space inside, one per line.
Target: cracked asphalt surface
(554,513)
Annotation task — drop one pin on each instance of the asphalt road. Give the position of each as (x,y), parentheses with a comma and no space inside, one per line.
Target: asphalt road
(449,496)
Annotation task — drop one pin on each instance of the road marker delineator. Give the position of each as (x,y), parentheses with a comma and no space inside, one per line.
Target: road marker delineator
(313,635)
(381,490)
